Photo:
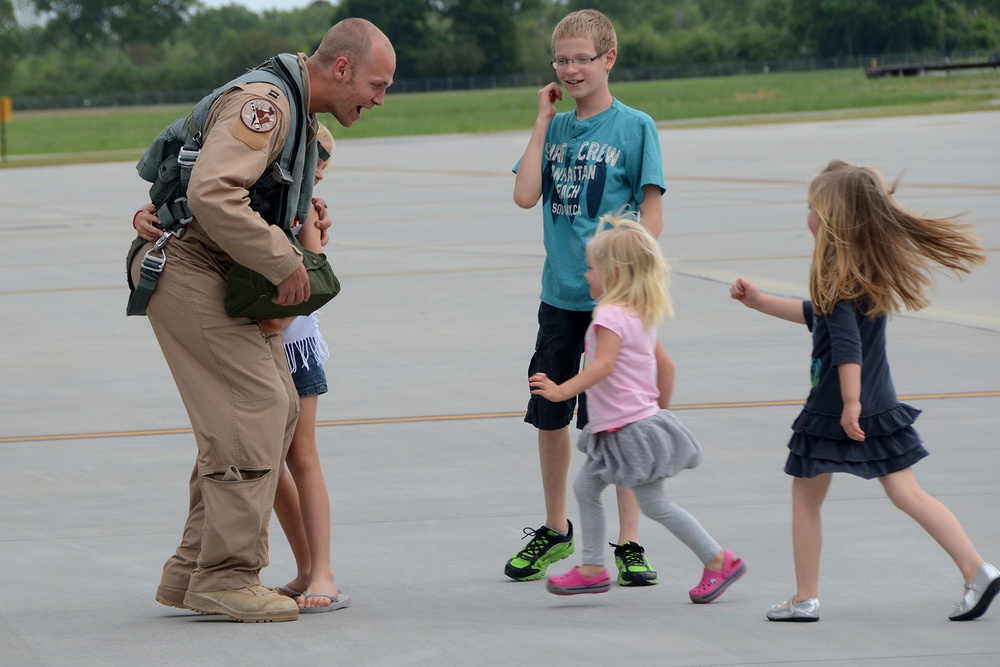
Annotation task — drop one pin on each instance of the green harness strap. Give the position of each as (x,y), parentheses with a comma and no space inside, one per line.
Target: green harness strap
(173,211)
(174,216)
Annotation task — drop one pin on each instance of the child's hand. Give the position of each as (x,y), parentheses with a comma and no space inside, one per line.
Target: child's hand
(547,98)
(323,221)
(744,292)
(146,224)
(542,386)
(849,421)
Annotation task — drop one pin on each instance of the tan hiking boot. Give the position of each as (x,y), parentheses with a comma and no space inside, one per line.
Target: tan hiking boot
(171,596)
(252,604)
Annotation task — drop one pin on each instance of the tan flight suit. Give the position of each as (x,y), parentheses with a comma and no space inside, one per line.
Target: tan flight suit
(233,379)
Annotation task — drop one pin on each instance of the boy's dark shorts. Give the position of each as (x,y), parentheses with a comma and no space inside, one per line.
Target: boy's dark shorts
(558,350)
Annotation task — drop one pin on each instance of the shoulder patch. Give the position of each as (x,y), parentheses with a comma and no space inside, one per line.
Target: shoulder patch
(259,115)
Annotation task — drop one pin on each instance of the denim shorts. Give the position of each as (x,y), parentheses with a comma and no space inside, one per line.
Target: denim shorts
(558,351)
(309,381)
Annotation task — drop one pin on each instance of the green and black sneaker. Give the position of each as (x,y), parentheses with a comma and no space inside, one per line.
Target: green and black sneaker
(546,547)
(633,568)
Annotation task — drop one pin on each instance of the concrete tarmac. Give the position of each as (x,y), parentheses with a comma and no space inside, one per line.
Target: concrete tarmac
(432,472)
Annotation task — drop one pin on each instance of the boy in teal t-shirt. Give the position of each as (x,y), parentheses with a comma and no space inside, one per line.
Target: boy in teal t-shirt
(581,164)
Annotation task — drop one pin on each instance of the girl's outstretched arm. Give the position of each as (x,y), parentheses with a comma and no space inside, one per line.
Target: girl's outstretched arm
(595,370)
(850,392)
(776,306)
(664,376)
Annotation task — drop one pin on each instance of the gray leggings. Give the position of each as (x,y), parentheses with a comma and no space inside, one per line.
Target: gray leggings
(654,504)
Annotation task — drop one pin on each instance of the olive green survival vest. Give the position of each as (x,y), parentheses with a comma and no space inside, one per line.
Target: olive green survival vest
(282,194)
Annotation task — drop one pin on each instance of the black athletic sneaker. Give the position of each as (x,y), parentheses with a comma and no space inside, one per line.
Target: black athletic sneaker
(546,547)
(633,568)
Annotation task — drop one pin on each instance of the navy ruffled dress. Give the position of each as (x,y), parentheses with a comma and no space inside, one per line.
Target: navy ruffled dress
(819,444)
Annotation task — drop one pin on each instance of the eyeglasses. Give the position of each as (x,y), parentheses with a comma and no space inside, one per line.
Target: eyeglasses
(579,61)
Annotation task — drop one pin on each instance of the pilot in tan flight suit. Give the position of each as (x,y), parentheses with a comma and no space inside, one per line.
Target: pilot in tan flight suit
(233,379)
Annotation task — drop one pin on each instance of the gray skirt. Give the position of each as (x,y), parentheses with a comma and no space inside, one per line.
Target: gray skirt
(641,452)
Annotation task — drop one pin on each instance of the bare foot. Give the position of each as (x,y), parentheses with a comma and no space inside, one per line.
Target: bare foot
(321,588)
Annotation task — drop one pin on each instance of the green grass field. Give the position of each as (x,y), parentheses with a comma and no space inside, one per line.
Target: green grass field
(51,137)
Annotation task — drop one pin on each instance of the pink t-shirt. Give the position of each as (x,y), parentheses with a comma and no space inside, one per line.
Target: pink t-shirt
(629,393)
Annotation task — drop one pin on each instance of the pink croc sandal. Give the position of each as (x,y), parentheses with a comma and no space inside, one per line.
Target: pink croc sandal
(714,583)
(573,583)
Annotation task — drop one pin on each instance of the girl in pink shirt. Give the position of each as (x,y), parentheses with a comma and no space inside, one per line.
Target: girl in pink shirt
(632,440)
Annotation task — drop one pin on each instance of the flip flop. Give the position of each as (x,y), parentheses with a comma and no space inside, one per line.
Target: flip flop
(288,592)
(336,602)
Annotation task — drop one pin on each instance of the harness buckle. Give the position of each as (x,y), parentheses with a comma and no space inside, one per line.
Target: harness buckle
(152,263)
(162,241)
(180,215)
(186,157)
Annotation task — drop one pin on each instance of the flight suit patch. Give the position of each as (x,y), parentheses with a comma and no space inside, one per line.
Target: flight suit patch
(257,118)
(259,115)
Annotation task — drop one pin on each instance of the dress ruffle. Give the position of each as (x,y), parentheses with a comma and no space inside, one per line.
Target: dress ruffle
(819,444)
(641,452)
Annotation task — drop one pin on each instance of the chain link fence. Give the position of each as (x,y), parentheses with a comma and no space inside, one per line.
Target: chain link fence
(525,80)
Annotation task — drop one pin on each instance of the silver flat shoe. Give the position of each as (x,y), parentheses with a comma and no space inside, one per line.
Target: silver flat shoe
(978,594)
(806,611)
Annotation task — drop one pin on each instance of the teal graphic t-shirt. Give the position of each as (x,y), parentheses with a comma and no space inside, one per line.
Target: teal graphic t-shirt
(590,168)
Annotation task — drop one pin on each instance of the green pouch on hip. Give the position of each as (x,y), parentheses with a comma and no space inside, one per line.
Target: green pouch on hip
(249,294)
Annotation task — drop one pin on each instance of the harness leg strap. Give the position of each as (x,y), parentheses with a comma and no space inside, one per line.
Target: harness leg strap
(149,273)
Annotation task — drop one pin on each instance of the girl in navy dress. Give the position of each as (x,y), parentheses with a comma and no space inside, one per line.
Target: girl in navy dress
(872,258)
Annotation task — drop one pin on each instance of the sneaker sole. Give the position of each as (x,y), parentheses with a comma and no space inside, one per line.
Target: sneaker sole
(739,572)
(636,583)
(577,590)
(555,554)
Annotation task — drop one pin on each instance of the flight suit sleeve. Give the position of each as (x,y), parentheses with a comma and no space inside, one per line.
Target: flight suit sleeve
(243,135)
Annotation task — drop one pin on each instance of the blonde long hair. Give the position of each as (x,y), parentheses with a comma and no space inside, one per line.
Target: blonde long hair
(632,270)
(871,250)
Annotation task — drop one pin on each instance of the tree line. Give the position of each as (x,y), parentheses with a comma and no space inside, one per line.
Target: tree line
(100,46)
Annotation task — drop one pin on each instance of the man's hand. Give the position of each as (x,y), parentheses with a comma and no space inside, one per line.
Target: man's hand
(294,289)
